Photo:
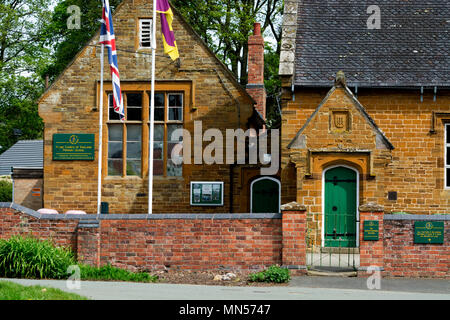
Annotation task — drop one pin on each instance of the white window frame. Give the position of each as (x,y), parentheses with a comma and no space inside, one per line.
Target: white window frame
(141,21)
(446,155)
(177,107)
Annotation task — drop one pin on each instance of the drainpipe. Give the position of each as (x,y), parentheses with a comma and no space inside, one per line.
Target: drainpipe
(231,186)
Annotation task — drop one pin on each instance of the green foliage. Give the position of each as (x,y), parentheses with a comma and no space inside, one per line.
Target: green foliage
(272,83)
(225,26)
(34,259)
(68,42)
(39,259)
(273,274)
(19,110)
(108,272)
(5,191)
(13,291)
(23,56)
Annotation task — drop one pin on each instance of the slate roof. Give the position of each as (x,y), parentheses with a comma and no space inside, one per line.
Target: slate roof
(412,47)
(24,154)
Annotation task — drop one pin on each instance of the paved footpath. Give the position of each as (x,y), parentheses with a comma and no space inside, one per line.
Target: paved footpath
(300,288)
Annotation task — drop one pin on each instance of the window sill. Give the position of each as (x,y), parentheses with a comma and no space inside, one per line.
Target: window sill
(124,122)
(135,178)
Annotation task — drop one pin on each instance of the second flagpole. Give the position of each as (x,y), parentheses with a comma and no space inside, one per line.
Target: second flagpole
(100,133)
(152,114)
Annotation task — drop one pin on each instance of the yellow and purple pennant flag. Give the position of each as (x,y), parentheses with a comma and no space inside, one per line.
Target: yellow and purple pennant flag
(166,15)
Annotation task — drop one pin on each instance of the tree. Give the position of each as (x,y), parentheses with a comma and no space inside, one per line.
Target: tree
(23,56)
(225,26)
(68,42)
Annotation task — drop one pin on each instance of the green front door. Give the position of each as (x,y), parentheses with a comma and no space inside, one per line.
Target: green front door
(265,196)
(340,207)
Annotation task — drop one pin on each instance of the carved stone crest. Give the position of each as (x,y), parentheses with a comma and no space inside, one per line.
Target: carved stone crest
(340,121)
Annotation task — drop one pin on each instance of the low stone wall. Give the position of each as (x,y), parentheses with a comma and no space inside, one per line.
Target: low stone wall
(404,258)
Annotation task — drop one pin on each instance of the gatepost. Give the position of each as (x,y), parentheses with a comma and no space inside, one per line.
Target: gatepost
(294,237)
(371,247)
(88,242)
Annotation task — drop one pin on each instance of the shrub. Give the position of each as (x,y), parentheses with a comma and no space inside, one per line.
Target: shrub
(109,272)
(5,191)
(274,274)
(32,258)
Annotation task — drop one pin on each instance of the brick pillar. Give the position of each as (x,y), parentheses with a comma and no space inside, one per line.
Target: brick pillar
(371,252)
(294,237)
(255,86)
(88,242)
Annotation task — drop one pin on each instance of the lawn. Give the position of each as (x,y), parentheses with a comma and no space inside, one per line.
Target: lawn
(13,291)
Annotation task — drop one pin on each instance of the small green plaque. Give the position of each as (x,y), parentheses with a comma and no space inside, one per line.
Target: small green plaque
(371,230)
(74,146)
(429,232)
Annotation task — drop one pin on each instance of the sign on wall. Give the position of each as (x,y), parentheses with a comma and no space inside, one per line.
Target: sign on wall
(207,193)
(371,230)
(429,232)
(73,147)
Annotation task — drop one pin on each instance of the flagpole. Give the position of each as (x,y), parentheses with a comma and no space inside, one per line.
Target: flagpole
(152,115)
(100,135)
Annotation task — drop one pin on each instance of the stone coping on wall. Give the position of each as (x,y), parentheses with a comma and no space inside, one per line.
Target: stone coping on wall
(417,217)
(174,216)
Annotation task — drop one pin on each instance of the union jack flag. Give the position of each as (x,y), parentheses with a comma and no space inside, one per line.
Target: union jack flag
(108,39)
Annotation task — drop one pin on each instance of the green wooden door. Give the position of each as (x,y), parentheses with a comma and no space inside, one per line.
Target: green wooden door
(340,207)
(265,196)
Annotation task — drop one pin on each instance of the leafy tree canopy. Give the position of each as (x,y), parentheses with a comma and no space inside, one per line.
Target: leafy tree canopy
(23,56)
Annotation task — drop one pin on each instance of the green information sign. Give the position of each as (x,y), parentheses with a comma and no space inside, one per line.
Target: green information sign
(206,193)
(429,232)
(371,230)
(74,147)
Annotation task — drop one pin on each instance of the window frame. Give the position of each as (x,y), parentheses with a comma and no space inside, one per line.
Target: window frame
(125,125)
(166,123)
(446,155)
(185,87)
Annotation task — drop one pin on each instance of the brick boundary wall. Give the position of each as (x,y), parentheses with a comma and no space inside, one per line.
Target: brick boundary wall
(244,242)
(404,258)
(143,243)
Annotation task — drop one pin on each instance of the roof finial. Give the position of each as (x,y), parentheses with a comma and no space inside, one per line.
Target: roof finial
(340,79)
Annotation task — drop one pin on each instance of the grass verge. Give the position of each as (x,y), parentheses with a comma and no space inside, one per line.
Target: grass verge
(14,291)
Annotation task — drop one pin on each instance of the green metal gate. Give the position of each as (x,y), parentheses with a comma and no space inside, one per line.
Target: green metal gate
(332,243)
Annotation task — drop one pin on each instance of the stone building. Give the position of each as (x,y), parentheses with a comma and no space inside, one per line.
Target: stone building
(365,111)
(198,88)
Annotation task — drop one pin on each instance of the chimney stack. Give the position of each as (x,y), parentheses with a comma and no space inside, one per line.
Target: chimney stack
(255,85)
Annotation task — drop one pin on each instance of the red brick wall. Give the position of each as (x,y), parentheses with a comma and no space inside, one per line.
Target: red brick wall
(197,244)
(193,243)
(212,242)
(62,232)
(404,258)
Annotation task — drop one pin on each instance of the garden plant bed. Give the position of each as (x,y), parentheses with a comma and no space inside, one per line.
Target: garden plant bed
(207,278)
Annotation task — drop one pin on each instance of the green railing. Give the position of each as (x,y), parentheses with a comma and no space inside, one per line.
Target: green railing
(336,246)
